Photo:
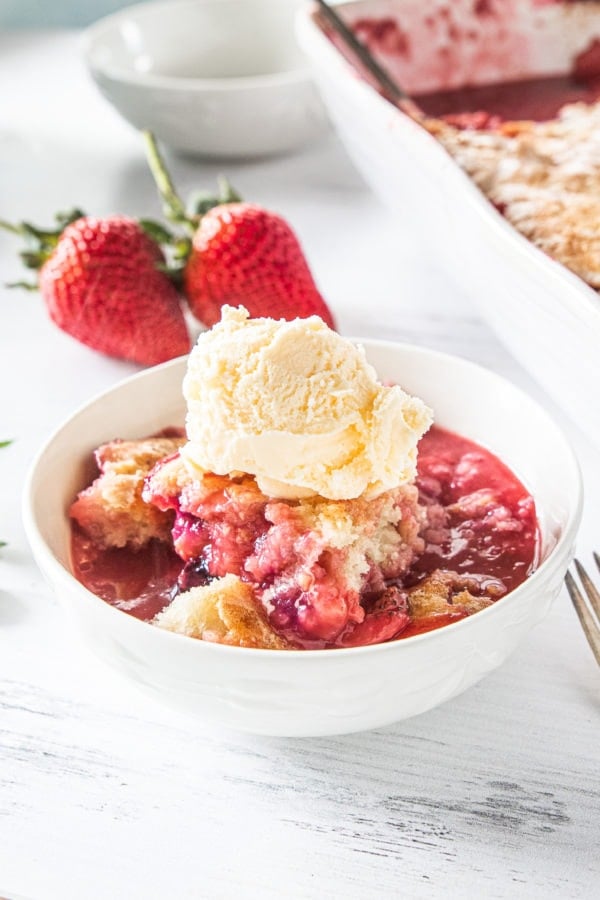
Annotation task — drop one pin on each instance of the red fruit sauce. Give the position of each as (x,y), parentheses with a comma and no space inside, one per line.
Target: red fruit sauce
(536,99)
(432,47)
(490,534)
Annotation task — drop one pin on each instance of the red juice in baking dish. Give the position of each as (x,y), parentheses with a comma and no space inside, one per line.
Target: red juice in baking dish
(481,62)
(536,99)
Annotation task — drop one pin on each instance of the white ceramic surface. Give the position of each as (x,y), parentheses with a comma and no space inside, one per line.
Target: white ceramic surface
(209,77)
(546,315)
(315,692)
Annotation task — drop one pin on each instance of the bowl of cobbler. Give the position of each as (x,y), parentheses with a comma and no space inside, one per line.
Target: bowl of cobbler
(293,533)
(496,166)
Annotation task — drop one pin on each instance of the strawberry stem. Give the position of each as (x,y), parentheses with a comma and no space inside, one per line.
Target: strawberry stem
(173,206)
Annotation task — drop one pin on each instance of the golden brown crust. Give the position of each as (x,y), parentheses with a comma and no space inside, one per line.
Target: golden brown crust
(442,594)
(544,176)
(121,457)
(224,611)
(172,480)
(111,510)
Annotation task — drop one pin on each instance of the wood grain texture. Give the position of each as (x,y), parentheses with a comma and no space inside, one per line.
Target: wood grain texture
(103,793)
(493,793)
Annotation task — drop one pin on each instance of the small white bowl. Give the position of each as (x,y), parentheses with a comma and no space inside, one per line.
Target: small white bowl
(323,691)
(209,77)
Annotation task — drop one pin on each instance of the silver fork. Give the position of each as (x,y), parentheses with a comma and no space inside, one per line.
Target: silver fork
(589,618)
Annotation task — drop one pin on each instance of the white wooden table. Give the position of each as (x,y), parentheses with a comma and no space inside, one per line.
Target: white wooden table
(104,794)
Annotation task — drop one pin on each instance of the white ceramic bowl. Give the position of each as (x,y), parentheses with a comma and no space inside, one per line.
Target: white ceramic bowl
(219,78)
(324,691)
(547,316)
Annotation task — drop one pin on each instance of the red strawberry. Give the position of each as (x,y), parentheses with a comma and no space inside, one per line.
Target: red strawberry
(240,253)
(101,282)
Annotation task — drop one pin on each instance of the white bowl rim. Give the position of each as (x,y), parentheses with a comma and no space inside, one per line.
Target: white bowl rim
(586,306)
(63,575)
(92,36)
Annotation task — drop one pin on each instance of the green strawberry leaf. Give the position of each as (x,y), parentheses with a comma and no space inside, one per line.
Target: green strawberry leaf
(26,285)
(201,202)
(227,193)
(67,218)
(156,231)
(40,242)
(33,259)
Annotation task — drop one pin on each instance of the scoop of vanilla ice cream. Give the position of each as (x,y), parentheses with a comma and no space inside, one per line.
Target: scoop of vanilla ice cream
(297,406)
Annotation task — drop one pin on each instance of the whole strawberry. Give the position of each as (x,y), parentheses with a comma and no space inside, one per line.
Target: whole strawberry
(242,253)
(101,281)
(239,253)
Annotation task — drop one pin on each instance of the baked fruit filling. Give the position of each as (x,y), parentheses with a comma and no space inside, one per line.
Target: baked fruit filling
(214,558)
(312,564)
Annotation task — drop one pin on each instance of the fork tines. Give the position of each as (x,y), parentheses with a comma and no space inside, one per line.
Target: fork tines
(589,618)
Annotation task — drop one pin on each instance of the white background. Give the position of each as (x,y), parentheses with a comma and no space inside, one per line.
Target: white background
(104,794)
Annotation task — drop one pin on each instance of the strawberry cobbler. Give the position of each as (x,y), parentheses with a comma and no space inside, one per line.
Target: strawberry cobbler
(349,543)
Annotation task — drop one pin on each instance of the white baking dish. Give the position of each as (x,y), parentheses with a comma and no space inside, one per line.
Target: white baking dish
(547,316)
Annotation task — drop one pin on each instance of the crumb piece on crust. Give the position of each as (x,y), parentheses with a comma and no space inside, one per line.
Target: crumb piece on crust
(164,483)
(171,486)
(224,611)
(443,593)
(111,510)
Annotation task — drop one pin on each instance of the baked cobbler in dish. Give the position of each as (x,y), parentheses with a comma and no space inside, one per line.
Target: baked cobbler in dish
(512,91)
(544,177)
